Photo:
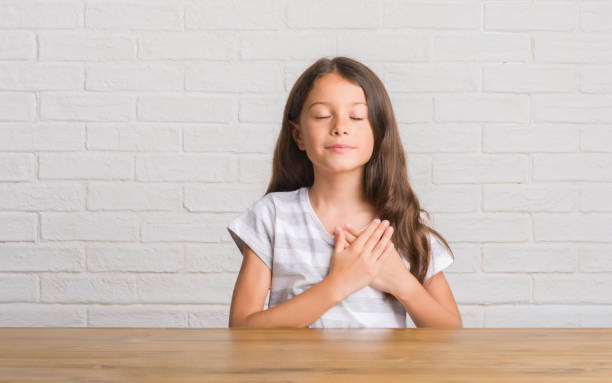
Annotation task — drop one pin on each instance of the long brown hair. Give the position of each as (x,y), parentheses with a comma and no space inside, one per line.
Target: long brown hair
(385,177)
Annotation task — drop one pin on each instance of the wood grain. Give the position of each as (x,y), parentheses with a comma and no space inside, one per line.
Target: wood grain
(311,355)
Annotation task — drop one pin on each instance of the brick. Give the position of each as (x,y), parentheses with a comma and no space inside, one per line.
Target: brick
(213,45)
(209,316)
(483,108)
(593,227)
(41,76)
(41,257)
(17,167)
(137,77)
(548,316)
(529,258)
(17,106)
(138,316)
(572,288)
(42,315)
(175,227)
(220,14)
(36,196)
(596,197)
(449,198)
(596,79)
(433,77)
(489,289)
(89,227)
(87,106)
(18,226)
(246,77)
(131,15)
(595,258)
(384,45)
(107,166)
(482,47)
(213,258)
(411,109)
(185,288)
(595,17)
(220,197)
(87,288)
(479,168)
(45,136)
(280,45)
(529,78)
(17,45)
(134,137)
(530,16)
(185,108)
(531,197)
(243,138)
(18,288)
(254,168)
(186,167)
(534,138)
(134,258)
(596,139)
(484,227)
(41,14)
(85,46)
(133,196)
(572,47)
(440,138)
(572,167)
(423,14)
(566,108)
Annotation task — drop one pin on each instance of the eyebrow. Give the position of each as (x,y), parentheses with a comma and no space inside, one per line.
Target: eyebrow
(325,103)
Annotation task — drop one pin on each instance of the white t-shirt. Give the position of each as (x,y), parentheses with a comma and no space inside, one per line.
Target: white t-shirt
(284,231)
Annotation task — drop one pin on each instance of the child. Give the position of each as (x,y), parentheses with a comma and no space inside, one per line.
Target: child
(294,241)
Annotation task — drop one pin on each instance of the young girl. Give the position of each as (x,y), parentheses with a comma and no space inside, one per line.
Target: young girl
(339,165)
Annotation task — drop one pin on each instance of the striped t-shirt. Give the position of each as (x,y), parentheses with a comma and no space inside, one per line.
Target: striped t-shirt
(284,231)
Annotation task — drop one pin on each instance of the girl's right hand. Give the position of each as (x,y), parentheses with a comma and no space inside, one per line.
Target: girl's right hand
(354,266)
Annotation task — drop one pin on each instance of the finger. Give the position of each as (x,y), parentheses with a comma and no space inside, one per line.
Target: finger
(339,239)
(350,233)
(385,252)
(375,237)
(363,237)
(382,245)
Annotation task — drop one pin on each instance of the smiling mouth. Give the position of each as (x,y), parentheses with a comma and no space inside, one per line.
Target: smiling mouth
(339,149)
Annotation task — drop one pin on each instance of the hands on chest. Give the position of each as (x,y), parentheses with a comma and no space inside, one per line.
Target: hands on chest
(368,258)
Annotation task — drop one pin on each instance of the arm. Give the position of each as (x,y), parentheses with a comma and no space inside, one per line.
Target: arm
(250,292)
(431,304)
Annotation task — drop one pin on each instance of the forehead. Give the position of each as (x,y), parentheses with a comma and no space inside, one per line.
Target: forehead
(333,89)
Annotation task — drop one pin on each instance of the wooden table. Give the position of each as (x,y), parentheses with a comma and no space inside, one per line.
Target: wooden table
(292,355)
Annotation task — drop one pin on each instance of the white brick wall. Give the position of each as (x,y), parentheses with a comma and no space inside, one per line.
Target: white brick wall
(132,132)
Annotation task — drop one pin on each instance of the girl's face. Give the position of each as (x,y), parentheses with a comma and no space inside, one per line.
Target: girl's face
(335,113)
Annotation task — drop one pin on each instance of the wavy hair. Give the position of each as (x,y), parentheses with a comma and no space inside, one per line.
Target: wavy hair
(385,176)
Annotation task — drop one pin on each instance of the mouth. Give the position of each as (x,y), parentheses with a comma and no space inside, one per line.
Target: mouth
(340,148)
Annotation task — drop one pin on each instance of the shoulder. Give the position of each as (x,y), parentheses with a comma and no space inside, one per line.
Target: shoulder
(273,201)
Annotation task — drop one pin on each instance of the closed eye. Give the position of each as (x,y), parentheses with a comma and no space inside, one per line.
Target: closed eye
(320,118)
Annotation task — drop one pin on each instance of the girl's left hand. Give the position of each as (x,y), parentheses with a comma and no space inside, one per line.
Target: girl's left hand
(393,274)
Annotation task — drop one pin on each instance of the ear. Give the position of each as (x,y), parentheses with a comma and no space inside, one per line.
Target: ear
(297,136)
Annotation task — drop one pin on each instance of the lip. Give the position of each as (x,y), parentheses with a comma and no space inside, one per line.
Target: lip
(340,148)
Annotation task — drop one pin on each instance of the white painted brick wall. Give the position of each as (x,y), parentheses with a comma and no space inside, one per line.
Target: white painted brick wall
(132,132)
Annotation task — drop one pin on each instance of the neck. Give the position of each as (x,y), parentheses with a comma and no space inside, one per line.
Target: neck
(339,193)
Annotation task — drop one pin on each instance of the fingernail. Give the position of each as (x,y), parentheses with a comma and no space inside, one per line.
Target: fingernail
(377,220)
(348,225)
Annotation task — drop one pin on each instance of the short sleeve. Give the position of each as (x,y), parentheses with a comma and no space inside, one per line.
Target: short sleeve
(255,228)
(441,257)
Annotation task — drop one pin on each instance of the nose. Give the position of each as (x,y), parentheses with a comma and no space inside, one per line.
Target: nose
(340,127)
